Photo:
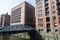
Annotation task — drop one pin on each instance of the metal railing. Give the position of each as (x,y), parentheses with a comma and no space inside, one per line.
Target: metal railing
(57,37)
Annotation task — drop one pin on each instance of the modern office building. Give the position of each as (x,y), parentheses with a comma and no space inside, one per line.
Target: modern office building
(5,20)
(24,14)
(48,16)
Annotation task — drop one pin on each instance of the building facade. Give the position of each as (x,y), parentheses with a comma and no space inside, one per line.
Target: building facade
(5,20)
(24,14)
(0,21)
(48,16)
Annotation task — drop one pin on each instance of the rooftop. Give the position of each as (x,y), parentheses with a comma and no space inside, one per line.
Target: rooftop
(14,28)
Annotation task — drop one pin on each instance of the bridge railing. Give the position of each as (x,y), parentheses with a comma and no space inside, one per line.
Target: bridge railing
(57,37)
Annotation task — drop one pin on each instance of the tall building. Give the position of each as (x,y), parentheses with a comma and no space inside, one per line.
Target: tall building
(48,16)
(5,20)
(0,21)
(24,14)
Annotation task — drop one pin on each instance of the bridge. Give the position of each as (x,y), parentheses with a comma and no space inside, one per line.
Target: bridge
(15,29)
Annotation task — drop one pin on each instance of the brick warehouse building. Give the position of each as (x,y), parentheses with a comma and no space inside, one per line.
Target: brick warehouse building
(23,13)
(5,20)
(48,16)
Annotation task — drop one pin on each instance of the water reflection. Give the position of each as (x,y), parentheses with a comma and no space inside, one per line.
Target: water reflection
(20,36)
(30,35)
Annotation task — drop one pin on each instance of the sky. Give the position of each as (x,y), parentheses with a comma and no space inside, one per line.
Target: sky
(7,5)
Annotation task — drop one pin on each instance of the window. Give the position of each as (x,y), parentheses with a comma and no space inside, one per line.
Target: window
(54,17)
(48,30)
(46,1)
(59,20)
(41,29)
(40,20)
(15,21)
(40,11)
(54,20)
(58,13)
(40,14)
(40,7)
(47,19)
(40,25)
(47,14)
(48,26)
(54,12)
(53,7)
(55,25)
(47,11)
(52,2)
(58,6)
(46,6)
(56,30)
(38,1)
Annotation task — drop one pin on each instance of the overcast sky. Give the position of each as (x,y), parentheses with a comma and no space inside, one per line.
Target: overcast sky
(7,5)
